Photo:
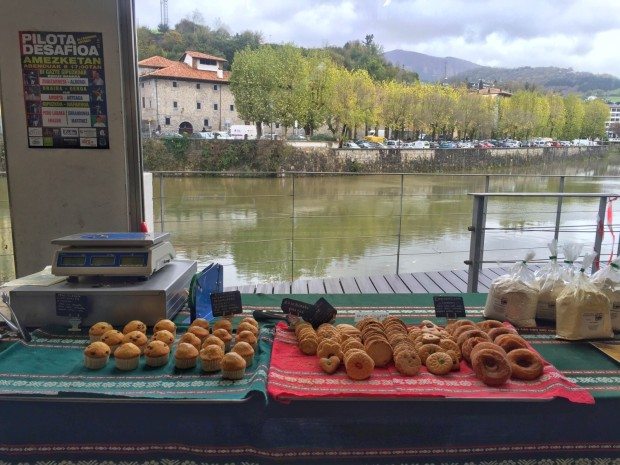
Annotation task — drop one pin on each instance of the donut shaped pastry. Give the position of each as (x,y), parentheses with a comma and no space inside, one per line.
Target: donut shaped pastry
(510,342)
(471,333)
(359,365)
(493,333)
(439,363)
(525,364)
(469,344)
(407,363)
(327,348)
(487,325)
(428,349)
(491,367)
(486,345)
(461,329)
(453,325)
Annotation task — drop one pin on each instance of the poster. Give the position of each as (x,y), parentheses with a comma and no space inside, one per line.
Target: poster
(64,89)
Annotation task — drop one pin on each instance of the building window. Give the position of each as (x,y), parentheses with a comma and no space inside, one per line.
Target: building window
(215,106)
(205,123)
(198,86)
(174,84)
(143,102)
(232,108)
(197,105)
(207,62)
(174,104)
(277,125)
(167,122)
(214,86)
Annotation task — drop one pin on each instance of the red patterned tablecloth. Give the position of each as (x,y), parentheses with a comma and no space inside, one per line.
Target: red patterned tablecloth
(293,375)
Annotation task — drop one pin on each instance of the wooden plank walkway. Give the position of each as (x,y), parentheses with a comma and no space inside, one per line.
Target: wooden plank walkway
(432,282)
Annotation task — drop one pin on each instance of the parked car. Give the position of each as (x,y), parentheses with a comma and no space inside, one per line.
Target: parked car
(350,145)
(363,144)
(447,145)
(221,135)
(296,137)
(465,144)
(392,144)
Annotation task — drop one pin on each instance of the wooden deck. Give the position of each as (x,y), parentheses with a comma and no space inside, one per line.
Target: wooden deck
(407,283)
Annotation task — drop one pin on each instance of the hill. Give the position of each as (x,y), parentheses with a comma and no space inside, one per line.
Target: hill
(429,68)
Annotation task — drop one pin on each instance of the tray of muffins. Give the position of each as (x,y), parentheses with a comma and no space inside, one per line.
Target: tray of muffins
(390,358)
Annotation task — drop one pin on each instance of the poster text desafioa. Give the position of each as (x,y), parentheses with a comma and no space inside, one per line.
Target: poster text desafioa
(64,89)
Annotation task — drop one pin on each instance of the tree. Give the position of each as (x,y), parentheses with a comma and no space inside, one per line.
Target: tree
(575,113)
(320,70)
(596,113)
(289,94)
(557,116)
(342,105)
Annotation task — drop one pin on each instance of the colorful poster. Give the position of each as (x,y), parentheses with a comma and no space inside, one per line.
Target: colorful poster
(64,89)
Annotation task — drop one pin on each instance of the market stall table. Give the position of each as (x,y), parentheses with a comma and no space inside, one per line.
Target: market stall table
(190,423)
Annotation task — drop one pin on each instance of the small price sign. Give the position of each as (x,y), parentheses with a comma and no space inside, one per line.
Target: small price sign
(72,305)
(226,303)
(296,307)
(449,306)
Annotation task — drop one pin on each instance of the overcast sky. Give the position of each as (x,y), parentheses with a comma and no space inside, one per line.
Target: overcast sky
(582,34)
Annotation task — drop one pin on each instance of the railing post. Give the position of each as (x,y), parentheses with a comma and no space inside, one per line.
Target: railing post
(400,222)
(487,182)
(476,249)
(161,200)
(600,230)
(293,230)
(558,213)
(487,186)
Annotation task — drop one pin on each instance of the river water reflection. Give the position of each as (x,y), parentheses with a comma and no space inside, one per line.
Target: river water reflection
(349,225)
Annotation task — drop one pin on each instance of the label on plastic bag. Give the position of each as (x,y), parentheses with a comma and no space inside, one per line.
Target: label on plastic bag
(592,320)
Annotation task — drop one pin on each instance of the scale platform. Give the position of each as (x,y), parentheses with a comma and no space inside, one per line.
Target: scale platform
(115,299)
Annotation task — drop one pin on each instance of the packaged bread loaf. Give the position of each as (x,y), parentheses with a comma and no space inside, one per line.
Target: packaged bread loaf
(582,310)
(608,281)
(550,284)
(513,297)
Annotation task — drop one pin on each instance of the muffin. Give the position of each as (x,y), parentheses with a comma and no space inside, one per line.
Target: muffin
(200,322)
(199,331)
(185,356)
(138,338)
(225,336)
(245,350)
(245,326)
(96,355)
(97,330)
(223,324)
(250,320)
(113,339)
(165,336)
(156,353)
(167,325)
(192,339)
(213,340)
(135,325)
(127,356)
(247,336)
(233,366)
(211,358)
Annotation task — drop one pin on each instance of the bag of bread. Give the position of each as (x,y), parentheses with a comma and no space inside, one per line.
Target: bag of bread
(582,310)
(550,284)
(608,281)
(513,297)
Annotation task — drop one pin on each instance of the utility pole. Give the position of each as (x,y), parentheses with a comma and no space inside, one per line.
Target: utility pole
(163,6)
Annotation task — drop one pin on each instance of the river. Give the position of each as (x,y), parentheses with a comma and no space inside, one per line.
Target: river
(349,225)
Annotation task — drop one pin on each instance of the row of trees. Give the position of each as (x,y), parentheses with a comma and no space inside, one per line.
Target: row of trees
(286,84)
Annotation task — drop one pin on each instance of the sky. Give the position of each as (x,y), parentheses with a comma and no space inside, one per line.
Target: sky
(579,34)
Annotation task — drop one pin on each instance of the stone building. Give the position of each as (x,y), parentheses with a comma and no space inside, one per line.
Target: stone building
(189,95)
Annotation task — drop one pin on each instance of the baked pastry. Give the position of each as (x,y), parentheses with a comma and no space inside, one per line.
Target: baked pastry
(493,333)
(135,325)
(245,350)
(491,367)
(167,325)
(113,339)
(97,330)
(407,362)
(138,338)
(199,331)
(249,337)
(192,339)
(157,353)
(96,355)
(488,325)
(211,358)
(359,365)
(223,324)
(439,363)
(164,336)
(185,356)
(127,356)
(525,364)
(233,366)
(329,364)
(225,336)
(213,340)
(250,320)
(245,326)
(510,342)
(200,322)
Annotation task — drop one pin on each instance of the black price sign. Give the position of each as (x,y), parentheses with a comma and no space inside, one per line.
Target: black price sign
(226,303)
(72,305)
(324,312)
(297,307)
(448,306)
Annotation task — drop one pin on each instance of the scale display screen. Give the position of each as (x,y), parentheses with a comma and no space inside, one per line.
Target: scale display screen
(72,260)
(108,260)
(133,260)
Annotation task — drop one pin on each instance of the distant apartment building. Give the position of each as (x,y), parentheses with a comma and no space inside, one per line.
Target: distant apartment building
(189,95)
(614,117)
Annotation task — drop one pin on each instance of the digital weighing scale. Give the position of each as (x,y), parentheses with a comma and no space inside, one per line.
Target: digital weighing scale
(107,282)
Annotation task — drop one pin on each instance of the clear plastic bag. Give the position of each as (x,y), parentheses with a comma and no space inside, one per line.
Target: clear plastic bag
(608,281)
(550,284)
(571,254)
(582,310)
(513,297)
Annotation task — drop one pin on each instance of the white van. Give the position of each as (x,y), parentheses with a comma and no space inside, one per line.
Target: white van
(243,131)
(421,144)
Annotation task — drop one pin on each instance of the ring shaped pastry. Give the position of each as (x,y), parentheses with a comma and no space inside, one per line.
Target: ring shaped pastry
(493,333)
(491,367)
(525,364)
(510,342)
(472,333)
(359,365)
(469,344)
(488,325)
(486,345)
(439,363)
(461,329)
